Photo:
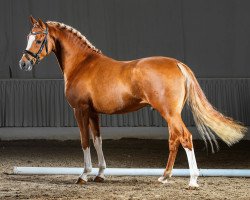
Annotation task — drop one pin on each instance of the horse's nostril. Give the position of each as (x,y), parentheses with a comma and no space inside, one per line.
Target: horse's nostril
(22,64)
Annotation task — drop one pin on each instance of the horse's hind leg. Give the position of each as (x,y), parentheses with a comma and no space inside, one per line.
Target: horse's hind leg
(174,142)
(179,134)
(188,146)
(97,140)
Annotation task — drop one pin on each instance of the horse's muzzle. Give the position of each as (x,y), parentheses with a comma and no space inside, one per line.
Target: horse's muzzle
(26,66)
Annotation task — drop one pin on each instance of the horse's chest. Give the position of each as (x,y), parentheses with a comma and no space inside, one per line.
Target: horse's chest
(76,96)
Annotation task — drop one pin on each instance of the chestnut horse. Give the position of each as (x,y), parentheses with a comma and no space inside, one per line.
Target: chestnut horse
(95,83)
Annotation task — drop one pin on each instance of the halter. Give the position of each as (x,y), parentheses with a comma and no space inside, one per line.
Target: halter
(44,43)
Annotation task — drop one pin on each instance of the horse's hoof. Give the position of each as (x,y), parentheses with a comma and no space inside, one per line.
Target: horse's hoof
(193,186)
(80,181)
(163,180)
(90,179)
(99,179)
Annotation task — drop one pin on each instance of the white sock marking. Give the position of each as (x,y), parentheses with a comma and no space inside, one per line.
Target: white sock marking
(163,180)
(30,41)
(101,160)
(87,164)
(194,172)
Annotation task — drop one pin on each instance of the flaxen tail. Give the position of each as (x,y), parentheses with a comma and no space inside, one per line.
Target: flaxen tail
(207,118)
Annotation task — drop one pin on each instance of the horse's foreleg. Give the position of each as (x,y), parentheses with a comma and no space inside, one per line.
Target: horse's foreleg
(97,140)
(82,118)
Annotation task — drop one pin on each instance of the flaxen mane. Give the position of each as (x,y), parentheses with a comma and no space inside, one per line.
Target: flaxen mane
(75,32)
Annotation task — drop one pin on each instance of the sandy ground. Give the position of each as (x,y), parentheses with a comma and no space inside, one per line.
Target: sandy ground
(119,153)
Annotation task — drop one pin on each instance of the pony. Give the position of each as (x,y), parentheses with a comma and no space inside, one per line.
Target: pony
(95,83)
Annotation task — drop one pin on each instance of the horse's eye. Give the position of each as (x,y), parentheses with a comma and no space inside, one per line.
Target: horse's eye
(38,41)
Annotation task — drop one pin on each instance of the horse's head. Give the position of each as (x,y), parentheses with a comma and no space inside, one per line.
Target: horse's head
(39,45)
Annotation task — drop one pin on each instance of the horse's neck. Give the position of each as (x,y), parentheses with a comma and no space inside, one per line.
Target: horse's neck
(69,53)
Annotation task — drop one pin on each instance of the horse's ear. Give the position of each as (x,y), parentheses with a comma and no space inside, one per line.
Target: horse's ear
(41,23)
(33,20)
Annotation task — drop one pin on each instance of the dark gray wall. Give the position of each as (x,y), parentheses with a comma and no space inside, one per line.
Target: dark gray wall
(41,103)
(209,35)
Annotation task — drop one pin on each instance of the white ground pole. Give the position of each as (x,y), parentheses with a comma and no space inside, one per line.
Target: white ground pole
(129,171)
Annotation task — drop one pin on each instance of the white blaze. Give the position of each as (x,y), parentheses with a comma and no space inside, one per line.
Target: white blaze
(30,41)
(194,172)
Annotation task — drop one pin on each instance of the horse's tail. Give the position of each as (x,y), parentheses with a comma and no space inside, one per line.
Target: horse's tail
(208,118)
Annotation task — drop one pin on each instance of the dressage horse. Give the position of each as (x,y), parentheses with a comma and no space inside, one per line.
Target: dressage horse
(95,83)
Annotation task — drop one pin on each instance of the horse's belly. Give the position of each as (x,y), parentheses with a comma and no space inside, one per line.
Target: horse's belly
(117,105)
(119,110)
